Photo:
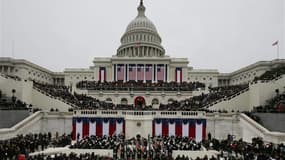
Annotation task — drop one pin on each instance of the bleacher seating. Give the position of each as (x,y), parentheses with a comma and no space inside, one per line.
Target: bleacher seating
(11,103)
(25,144)
(140,86)
(272,74)
(157,148)
(87,102)
(71,156)
(140,147)
(198,102)
(274,105)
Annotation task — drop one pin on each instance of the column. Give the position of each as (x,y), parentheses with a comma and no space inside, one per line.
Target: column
(11,69)
(147,51)
(144,73)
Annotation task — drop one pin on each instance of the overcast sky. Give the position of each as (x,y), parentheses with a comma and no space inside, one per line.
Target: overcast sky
(213,34)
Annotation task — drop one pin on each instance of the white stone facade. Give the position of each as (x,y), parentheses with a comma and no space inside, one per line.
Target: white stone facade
(140,57)
(219,125)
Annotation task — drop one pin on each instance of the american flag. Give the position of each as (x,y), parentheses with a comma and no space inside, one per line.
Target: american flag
(132,72)
(160,72)
(148,72)
(178,75)
(140,72)
(275,43)
(120,72)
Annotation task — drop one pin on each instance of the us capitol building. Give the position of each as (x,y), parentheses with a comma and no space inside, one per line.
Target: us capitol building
(139,58)
(141,93)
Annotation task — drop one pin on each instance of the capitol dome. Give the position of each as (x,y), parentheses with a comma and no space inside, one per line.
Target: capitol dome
(141,22)
(141,38)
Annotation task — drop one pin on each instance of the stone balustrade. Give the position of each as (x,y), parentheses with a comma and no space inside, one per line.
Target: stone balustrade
(139,114)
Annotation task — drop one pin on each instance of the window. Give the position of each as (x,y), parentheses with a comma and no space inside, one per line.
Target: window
(155,101)
(124,101)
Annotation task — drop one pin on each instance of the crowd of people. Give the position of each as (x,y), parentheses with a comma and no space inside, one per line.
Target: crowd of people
(139,147)
(58,91)
(140,86)
(238,149)
(183,157)
(71,156)
(7,76)
(25,144)
(198,102)
(274,105)
(272,74)
(82,101)
(11,103)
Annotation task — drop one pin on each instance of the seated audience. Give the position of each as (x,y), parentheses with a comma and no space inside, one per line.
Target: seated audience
(152,147)
(272,74)
(25,144)
(274,105)
(198,102)
(140,86)
(11,103)
(71,156)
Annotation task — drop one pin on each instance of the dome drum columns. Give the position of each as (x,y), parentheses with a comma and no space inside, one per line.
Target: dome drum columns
(141,51)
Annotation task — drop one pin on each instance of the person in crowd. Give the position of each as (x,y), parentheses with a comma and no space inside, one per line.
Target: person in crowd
(139,147)
(71,156)
(25,144)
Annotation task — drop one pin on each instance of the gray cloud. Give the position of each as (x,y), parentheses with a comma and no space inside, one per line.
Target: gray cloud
(216,34)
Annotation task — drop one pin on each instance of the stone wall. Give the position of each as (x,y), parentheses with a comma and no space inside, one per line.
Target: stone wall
(9,118)
(273,121)
(219,125)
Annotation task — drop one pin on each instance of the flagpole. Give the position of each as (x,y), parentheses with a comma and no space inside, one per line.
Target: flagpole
(277,50)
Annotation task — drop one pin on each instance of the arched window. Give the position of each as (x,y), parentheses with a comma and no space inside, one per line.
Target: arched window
(124,101)
(155,101)
(108,100)
(170,101)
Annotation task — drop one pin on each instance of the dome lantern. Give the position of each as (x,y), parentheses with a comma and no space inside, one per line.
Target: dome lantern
(141,9)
